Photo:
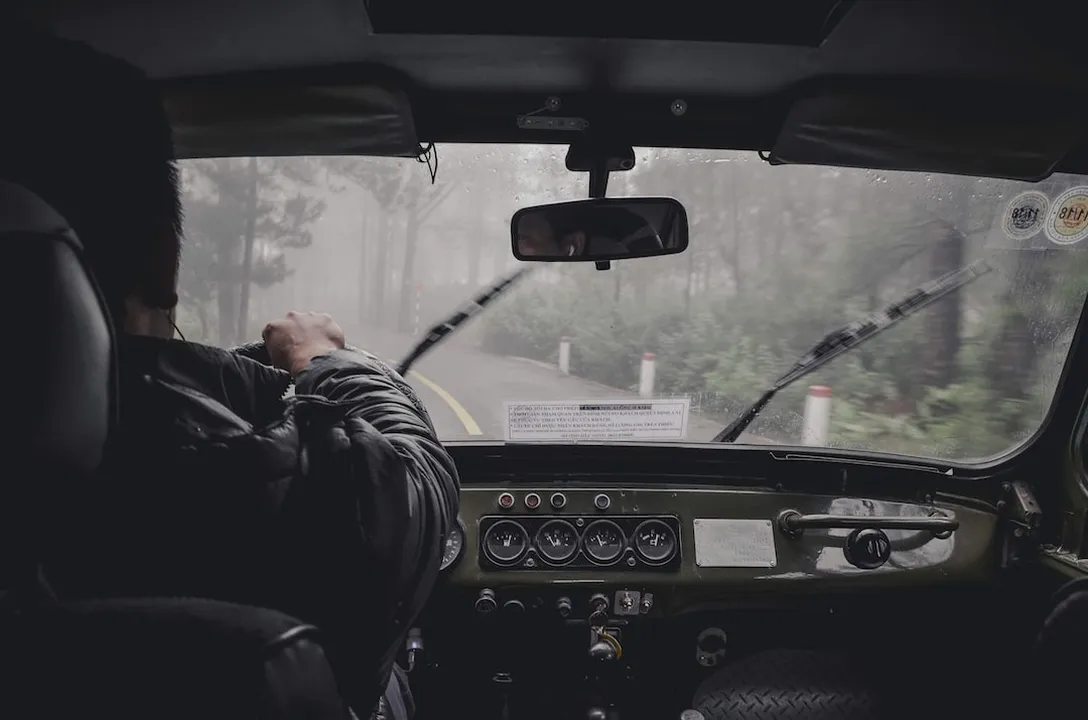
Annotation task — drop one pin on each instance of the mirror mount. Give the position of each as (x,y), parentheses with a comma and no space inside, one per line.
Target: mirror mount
(599,158)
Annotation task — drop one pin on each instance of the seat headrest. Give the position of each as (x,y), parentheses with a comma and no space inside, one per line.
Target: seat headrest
(58,345)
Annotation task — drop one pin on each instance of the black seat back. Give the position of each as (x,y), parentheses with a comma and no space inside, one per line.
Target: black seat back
(1058,656)
(58,368)
(116,658)
(167,659)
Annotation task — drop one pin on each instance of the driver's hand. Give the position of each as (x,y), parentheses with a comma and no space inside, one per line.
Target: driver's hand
(295,340)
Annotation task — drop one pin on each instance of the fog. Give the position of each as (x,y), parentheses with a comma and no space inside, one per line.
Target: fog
(779,256)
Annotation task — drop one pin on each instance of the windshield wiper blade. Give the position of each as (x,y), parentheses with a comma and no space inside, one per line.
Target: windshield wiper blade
(850,336)
(437,333)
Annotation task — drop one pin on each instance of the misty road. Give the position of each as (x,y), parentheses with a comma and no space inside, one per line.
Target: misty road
(465,390)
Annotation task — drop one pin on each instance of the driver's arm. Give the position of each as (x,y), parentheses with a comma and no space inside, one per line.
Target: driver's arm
(403,491)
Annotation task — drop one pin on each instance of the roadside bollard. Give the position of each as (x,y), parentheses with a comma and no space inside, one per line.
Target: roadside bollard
(817,419)
(646,376)
(564,355)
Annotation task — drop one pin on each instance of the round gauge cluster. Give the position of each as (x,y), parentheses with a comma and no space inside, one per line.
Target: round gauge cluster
(557,542)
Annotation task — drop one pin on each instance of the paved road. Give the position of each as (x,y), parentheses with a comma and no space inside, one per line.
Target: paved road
(465,389)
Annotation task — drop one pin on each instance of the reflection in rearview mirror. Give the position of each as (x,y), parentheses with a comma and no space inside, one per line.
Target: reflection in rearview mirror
(600,229)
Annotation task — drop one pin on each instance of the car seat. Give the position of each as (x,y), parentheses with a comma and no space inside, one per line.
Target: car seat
(125,657)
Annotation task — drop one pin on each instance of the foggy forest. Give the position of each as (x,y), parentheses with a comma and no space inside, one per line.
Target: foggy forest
(778,257)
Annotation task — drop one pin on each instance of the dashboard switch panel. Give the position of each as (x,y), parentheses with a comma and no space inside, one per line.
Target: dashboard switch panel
(553,542)
(627,602)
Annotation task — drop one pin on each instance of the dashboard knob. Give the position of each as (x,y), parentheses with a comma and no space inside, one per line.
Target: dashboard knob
(513,606)
(563,606)
(867,548)
(486,602)
(598,603)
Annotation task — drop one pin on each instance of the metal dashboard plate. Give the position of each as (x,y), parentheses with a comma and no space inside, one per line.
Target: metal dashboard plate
(732,543)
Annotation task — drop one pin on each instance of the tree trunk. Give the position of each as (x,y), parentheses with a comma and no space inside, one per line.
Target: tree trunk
(227,302)
(363,284)
(475,250)
(381,269)
(408,275)
(202,315)
(738,282)
(690,282)
(943,326)
(247,249)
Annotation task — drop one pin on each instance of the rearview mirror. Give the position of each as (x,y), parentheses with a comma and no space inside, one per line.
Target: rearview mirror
(600,229)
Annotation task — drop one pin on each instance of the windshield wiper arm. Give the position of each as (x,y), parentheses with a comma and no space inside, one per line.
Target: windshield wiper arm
(436,334)
(850,336)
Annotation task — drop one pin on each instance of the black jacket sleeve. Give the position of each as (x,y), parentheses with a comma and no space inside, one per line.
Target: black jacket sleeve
(403,490)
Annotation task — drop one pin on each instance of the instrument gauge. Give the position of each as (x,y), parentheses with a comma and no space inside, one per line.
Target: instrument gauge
(655,542)
(505,542)
(604,541)
(455,545)
(557,541)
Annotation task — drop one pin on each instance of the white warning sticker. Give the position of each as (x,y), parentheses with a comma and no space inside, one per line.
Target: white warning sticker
(634,419)
(734,543)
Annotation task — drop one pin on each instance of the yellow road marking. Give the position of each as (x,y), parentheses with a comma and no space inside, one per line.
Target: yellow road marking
(458,409)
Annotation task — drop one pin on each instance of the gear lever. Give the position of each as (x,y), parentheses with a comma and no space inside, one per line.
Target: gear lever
(604,650)
(503,681)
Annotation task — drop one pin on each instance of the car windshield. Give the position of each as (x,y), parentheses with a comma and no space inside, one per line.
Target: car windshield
(666,349)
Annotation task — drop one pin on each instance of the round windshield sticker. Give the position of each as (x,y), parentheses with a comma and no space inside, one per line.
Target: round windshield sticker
(1067,223)
(1025,215)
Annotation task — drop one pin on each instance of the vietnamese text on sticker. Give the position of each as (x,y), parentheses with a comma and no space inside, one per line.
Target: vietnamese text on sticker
(634,419)
(1025,215)
(1067,222)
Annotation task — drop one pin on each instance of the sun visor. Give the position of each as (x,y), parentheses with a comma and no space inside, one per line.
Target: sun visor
(243,118)
(977,133)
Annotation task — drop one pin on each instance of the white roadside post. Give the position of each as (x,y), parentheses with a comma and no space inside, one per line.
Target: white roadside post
(646,376)
(564,355)
(817,420)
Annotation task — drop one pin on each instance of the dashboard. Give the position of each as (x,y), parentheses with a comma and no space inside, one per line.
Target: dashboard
(575,549)
(627,576)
